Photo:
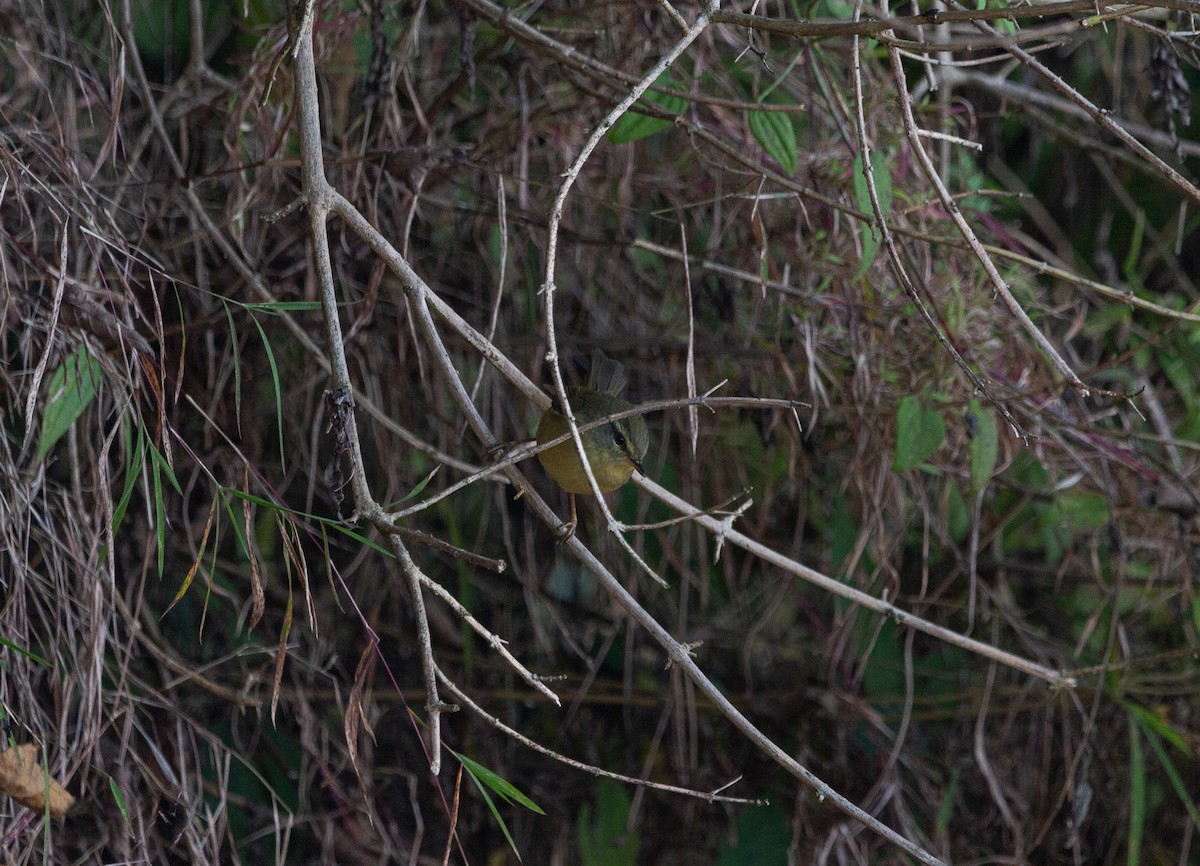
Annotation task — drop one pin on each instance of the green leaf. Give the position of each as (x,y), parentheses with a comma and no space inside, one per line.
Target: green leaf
(159,467)
(775,133)
(1135,247)
(632,125)
(1173,774)
(237,365)
(324,522)
(116,792)
(1179,369)
(879,644)
(160,512)
(842,532)
(278,391)
(982,447)
(497,783)
(1151,723)
(946,808)
(862,200)
(919,433)
(1137,795)
(958,517)
(72,388)
(161,462)
(607,841)
(764,835)
(284,306)
(33,657)
(1078,512)
(482,777)
(134,469)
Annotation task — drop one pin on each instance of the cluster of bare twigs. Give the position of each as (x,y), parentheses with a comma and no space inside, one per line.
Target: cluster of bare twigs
(276,302)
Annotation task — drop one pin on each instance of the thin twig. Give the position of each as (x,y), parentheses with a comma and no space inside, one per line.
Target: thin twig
(1056,679)
(708,796)
(968,233)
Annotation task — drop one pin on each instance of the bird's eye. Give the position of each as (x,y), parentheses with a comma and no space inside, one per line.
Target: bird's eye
(619,438)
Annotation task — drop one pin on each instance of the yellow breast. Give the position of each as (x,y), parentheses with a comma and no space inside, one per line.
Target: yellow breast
(611,467)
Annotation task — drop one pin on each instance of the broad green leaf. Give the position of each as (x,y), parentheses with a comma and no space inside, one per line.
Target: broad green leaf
(878,642)
(982,446)
(72,388)
(607,841)
(632,125)
(775,133)
(919,433)
(841,9)
(842,532)
(1078,512)
(872,238)
(764,835)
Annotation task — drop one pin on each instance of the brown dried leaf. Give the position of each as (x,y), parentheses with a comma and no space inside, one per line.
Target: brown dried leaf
(27,782)
(191,575)
(281,658)
(355,717)
(258,600)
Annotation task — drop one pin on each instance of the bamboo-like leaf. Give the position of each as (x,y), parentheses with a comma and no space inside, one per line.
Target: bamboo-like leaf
(133,471)
(498,783)
(72,388)
(481,776)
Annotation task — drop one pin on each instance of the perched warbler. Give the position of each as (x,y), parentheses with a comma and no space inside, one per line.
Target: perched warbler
(613,450)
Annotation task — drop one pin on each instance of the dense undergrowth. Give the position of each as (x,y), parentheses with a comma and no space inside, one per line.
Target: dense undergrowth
(189,625)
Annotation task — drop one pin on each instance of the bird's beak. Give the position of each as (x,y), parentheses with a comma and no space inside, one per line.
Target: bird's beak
(637,465)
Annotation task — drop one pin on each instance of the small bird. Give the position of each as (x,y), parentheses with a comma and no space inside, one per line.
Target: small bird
(613,450)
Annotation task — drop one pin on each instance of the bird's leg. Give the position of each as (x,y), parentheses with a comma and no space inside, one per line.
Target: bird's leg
(568,528)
